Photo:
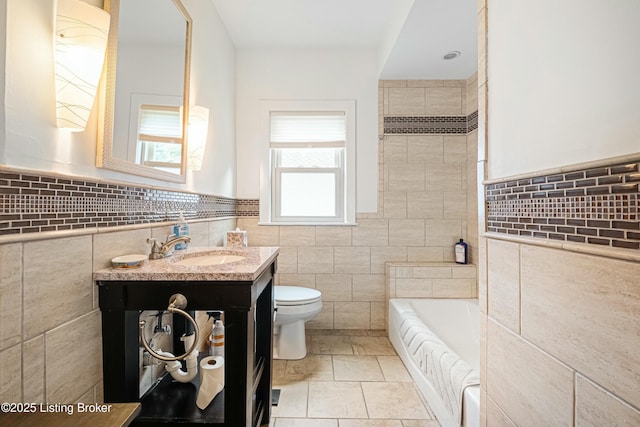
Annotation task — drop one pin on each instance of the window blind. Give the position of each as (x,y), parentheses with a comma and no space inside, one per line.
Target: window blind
(326,128)
(160,121)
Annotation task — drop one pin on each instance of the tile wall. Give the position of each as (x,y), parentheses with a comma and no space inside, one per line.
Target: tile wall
(50,326)
(423,209)
(559,326)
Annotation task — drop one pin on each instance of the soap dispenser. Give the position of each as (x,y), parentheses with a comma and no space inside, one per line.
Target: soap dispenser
(181,228)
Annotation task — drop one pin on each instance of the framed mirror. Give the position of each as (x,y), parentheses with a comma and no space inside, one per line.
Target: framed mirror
(146,90)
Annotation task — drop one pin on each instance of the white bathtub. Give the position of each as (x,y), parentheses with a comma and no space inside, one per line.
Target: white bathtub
(455,322)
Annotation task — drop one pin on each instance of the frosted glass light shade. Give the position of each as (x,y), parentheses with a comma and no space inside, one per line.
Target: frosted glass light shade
(197,136)
(80,44)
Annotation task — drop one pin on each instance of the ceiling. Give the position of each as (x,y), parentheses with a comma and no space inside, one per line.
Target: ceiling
(418,32)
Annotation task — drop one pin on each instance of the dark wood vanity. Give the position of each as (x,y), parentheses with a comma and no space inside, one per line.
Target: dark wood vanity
(248,311)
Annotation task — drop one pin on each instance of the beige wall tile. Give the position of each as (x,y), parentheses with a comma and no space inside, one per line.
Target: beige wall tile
(315,260)
(425,83)
(352,260)
(483,350)
(464,271)
(378,315)
(409,177)
(352,315)
(394,83)
(482,274)
(455,149)
(453,288)
(87,397)
(10,295)
(327,235)
(432,272)
(395,205)
(304,280)
(595,407)
(53,292)
(433,254)
(379,256)
(110,245)
(334,287)
(33,366)
(495,416)
(584,309)
(425,149)
(444,232)
(69,371)
(443,100)
(260,235)
(395,149)
(406,232)
(503,274)
(472,94)
(10,374)
(425,205)
(406,101)
(446,177)
(371,232)
(296,235)
(199,233)
(414,288)
(541,394)
(369,287)
(324,320)
(288,260)
(218,231)
(455,205)
(483,406)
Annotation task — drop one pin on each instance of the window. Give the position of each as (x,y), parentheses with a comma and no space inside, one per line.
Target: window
(159,142)
(311,167)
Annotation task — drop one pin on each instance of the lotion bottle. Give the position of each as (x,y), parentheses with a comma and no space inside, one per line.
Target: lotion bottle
(462,252)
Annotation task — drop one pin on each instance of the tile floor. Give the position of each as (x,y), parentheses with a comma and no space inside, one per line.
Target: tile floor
(348,379)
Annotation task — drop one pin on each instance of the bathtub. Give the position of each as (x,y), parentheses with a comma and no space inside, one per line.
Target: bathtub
(454,323)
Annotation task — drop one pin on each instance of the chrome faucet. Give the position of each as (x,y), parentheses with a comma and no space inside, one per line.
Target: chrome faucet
(163,250)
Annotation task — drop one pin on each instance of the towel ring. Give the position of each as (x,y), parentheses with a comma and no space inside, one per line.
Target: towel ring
(176,303)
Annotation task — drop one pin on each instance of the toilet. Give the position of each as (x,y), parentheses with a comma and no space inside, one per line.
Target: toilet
(295,305)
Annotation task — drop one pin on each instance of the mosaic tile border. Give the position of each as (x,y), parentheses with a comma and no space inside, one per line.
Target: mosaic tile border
(599,206)
(431,124)
(31,202)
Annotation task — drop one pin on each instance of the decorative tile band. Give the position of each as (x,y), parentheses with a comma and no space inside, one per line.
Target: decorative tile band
(431,124)
(31,203)
(598,206)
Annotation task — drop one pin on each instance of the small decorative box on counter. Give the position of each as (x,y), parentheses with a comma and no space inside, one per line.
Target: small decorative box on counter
(237,239)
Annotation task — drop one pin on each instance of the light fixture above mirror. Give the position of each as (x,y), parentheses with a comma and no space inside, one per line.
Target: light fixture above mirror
(146,94)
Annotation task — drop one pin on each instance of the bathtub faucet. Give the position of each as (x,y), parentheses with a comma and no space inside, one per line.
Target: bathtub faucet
(163,250)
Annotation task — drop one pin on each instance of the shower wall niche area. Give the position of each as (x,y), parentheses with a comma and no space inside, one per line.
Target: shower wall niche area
(248,315)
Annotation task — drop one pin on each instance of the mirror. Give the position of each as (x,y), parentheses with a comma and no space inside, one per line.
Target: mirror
(146,92)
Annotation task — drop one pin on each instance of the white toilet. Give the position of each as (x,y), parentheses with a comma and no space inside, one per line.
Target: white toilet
(295,305)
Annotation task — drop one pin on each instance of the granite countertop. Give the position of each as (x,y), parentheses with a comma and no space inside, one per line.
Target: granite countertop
(256,259)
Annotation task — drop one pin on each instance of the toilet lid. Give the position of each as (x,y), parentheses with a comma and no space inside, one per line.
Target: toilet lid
(295,295)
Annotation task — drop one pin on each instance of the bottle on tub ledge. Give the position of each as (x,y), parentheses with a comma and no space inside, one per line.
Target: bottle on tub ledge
(462,252)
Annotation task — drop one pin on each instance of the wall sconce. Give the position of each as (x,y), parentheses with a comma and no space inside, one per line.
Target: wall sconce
(197,136)
(81,41)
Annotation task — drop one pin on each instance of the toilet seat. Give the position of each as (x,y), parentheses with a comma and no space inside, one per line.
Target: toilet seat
(295,295)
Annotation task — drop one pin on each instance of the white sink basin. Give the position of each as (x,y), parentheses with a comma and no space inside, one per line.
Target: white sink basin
(215,259)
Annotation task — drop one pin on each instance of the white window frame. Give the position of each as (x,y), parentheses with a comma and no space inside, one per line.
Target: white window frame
(269,183)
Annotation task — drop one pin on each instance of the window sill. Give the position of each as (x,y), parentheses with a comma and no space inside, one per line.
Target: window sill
(348,224)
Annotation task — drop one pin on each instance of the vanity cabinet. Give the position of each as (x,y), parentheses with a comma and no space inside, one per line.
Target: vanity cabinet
(249,313)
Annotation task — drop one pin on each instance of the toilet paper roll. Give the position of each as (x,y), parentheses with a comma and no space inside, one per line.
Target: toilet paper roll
(211,380)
